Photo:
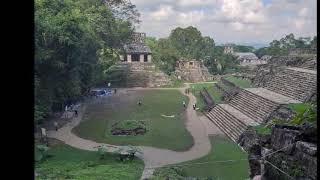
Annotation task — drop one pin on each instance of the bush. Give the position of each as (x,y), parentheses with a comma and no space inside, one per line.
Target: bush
(41,152)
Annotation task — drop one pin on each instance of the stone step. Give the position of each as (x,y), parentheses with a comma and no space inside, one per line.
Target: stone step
(272,96)
(223,128)
(227,119)
(230,120)
(254,106)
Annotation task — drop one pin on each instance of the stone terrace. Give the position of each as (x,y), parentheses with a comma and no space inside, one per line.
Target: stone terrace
(296,83)
(253,106)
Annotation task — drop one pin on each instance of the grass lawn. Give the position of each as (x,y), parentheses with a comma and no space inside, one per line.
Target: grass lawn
(71,163)
(212,90)
(222,149)
(243,83)
(300,107)
(162,132)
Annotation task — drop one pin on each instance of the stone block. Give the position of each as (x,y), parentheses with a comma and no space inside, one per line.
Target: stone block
(284,137)
(308,148)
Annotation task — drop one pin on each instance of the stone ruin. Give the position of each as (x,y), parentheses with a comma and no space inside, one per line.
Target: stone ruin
(139,130)
(135,68)
(192,71)
(296,152)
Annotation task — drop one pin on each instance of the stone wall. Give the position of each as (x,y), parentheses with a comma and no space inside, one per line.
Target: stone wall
(138,74)
(282,112)
(295,60)
(294,150)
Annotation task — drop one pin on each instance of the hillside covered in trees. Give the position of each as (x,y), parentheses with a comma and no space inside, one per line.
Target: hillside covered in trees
(188,43)
(285,44)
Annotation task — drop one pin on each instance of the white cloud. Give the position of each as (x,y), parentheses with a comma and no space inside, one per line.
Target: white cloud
(303,12)
(162,13)
(230,20)
(190,18)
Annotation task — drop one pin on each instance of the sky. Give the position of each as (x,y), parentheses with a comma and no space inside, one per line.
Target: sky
(230,21)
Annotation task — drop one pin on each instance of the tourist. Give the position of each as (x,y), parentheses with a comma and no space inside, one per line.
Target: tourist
(194,106)
(115,91)
(184,104)
(139,102)
(76,113)
(56,125)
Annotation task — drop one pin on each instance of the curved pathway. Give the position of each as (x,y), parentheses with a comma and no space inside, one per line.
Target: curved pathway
(152,157)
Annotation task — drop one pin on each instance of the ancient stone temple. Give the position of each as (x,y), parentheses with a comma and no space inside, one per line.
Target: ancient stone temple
(192,71)
(137,50)
(135,68)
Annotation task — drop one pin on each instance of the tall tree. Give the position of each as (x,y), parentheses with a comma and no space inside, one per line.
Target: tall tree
(75,40)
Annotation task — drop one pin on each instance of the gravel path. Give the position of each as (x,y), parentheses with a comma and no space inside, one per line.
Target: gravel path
(152,157)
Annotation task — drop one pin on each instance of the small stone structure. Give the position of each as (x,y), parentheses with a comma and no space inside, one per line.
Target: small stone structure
(137,50)
(244,58)
(192,71)
(248,58)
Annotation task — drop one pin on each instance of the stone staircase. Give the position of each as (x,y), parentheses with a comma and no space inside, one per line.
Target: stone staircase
(195,75)
(252,105)
(293,82)
(137,74)
(229,120)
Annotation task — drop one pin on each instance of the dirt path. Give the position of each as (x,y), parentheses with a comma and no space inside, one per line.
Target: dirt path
(152,157)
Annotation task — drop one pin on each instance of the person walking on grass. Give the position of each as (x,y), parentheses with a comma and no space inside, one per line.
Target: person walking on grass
(184,104)
(139,102)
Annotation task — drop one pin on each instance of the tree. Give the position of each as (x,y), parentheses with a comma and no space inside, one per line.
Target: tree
(76,41)
(285,44)
(190,44)
(242,48)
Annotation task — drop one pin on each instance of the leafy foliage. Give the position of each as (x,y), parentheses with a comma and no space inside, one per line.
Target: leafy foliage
(183,43)
(76,41)
(71,163)
(303,114)
(283,46)
(41,152)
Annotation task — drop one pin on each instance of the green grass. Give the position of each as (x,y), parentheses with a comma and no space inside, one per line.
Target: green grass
(222,149)
(176,83)
(162,132)
(71,163)
(129,124)
(243,83)
(261,129)
(212,90)
(301,107)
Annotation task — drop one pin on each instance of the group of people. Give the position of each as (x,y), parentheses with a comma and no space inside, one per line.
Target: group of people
(194,106)
(71,108)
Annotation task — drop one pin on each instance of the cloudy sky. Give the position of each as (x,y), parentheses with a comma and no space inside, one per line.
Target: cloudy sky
(238,21)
